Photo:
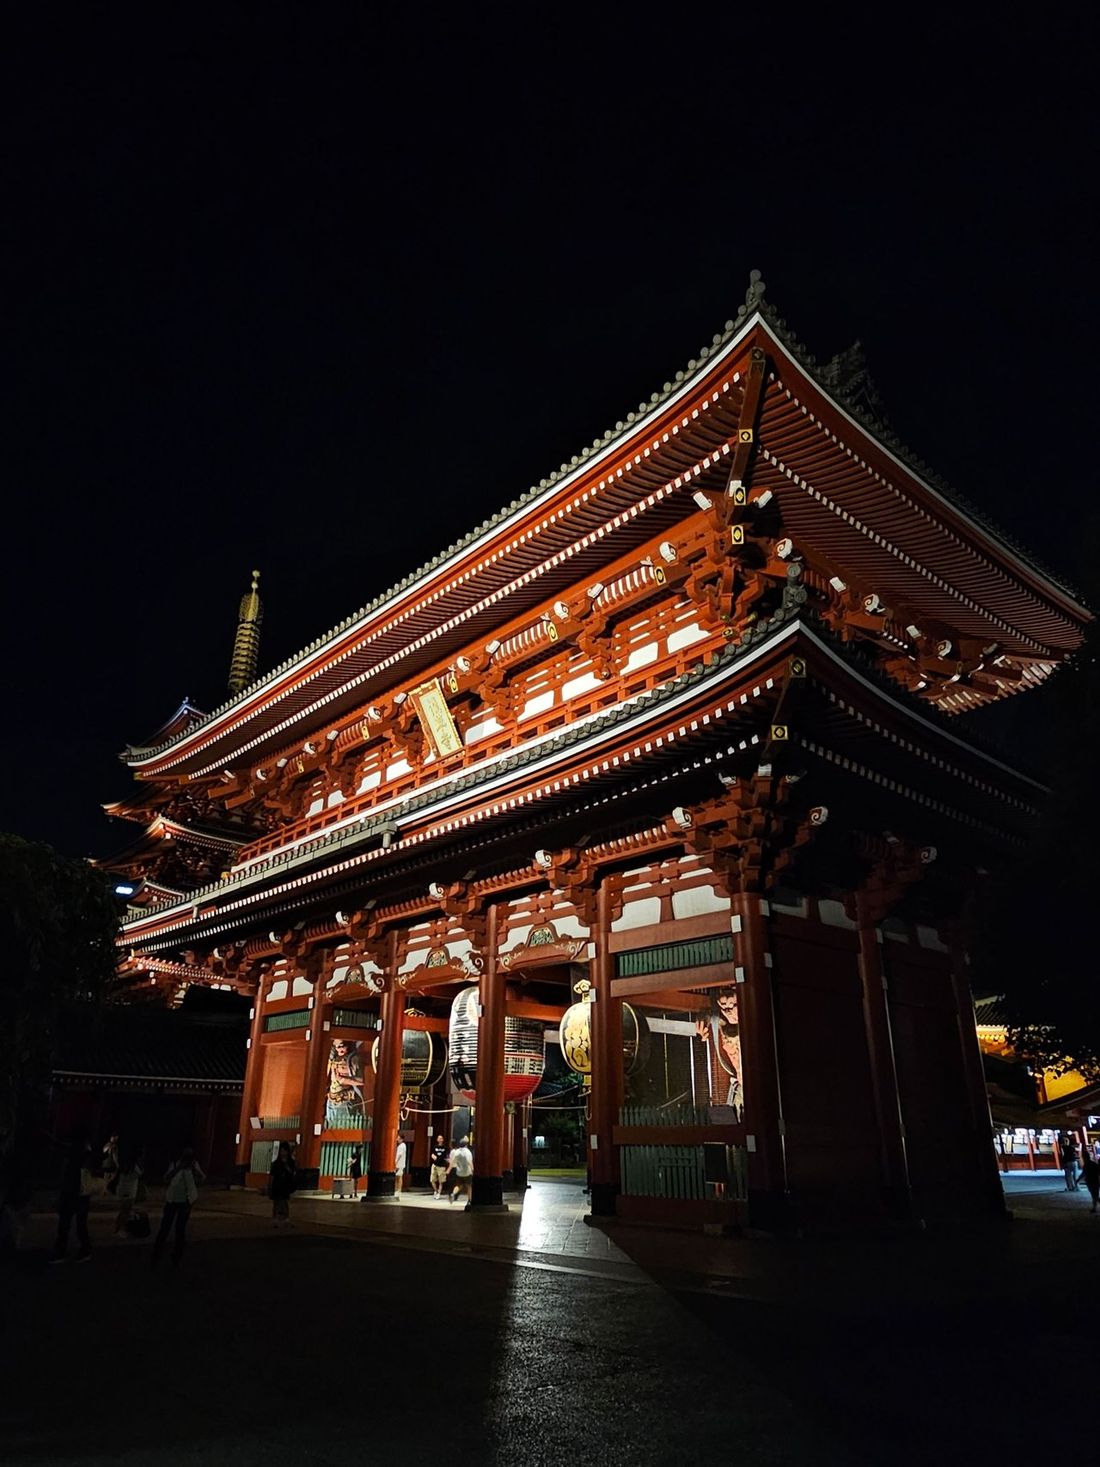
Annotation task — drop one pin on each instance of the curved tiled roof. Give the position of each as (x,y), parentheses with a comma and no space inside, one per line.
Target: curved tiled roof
(132,1042)
(755,306)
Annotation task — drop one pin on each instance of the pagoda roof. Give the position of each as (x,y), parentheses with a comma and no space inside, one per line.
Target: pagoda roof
(160,829)
(866,735)
(185,717)
(843,480)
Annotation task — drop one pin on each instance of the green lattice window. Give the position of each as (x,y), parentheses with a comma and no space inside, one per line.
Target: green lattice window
(353,1019)
(704,952)
(296,1019)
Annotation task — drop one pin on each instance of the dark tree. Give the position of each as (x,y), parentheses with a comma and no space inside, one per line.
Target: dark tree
(58,924)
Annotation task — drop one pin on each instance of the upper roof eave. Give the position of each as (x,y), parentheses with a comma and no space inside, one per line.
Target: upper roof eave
(944,496)
(755,314)
(736,333)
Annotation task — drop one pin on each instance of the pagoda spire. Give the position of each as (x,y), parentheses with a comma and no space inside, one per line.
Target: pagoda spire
(246,645)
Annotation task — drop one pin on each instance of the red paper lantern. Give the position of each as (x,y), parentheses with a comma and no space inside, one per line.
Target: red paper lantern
(524,1050)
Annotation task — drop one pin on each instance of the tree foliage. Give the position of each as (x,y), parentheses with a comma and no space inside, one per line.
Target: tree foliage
(1037,943)
(58,925)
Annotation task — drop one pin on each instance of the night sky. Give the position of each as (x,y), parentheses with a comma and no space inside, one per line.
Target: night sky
(318,289)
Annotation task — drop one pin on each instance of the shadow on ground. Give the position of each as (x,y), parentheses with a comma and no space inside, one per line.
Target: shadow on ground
(361,1340)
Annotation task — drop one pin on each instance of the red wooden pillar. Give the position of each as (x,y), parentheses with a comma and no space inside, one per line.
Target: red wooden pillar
(313,1084)
(606,1020)
(252,1075)
(884,1078)
(763,1100)
(387,1088)
(488,1187)
(985,1157)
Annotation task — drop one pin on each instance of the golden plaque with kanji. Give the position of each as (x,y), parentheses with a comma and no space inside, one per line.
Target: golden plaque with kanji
(435,717)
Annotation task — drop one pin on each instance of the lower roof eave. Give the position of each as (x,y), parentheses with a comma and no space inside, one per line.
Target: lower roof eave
(437,818)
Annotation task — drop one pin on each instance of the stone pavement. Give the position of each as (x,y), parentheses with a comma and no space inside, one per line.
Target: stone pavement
(390,1329)
(383,1334)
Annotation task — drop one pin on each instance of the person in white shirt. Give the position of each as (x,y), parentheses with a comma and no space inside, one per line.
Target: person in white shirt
(183,1178)
(399,1165)
(462,1169)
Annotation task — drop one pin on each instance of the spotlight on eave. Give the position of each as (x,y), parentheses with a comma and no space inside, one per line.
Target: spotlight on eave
(122,889)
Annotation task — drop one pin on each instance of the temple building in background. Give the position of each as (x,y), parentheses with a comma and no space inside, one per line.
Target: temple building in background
(659,776)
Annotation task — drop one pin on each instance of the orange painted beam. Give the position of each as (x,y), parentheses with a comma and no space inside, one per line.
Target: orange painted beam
(522,1008)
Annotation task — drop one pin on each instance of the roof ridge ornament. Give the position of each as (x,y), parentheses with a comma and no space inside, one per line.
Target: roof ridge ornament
(754,296)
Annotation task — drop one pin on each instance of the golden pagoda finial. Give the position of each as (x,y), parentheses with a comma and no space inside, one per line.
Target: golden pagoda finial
(246,645)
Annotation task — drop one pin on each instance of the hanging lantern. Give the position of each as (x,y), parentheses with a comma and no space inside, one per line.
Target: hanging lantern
(575,1037)
(524,1056)
(423,1058)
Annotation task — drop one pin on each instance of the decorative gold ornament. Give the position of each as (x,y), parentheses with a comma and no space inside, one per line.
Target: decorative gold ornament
(435,718)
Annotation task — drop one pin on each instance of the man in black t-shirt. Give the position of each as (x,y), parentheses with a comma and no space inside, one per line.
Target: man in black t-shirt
(439,1166)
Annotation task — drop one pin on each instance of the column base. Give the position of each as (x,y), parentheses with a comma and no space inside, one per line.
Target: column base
(240,1172)
(994,1194)
(519,1179)
(771,1212)
(898,1204)
(487,1193)
(603,1198)
(380,1185)
(308,1178)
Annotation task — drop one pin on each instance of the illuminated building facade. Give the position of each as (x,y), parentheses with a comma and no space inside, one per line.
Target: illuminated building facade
(674,733)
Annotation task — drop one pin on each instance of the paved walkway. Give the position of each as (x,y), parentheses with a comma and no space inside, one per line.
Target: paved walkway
(552,1338)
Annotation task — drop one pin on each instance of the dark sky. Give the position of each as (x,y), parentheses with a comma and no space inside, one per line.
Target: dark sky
(316,291)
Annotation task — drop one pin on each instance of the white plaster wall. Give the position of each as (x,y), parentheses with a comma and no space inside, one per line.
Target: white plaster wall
(698,901)
(685,636)
(538,704)
(833,915)
(642,913)
(928,937)
(583,684)
(482,730)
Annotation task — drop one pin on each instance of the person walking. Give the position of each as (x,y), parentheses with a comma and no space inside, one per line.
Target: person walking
(355,1168)
(400,1160)
(1090,1171)
(75,1199)
(1069,1163)
(282,1184)
(462,1169)
(439,1167)
(183,1178)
